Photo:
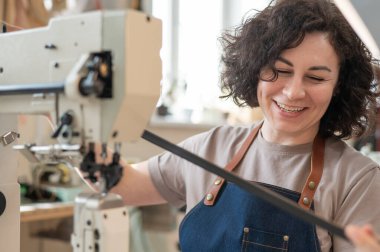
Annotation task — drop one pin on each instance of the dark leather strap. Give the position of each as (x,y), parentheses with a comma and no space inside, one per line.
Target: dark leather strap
(312,182)
(214,190)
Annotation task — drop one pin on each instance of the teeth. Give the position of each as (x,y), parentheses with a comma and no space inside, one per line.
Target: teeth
(289,109)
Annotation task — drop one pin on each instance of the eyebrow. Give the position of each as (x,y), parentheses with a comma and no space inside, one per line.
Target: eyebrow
(311,68)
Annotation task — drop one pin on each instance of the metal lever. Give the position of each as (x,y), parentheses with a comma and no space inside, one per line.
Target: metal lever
(66,119)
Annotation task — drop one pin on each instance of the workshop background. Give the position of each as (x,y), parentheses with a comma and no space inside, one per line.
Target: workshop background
(189,104)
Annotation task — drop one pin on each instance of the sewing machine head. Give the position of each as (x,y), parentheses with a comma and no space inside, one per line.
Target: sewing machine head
(96,75)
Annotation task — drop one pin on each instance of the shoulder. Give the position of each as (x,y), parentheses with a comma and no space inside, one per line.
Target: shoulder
(347,176)
(224,136)
(339,151)
(350,185)
(348,166)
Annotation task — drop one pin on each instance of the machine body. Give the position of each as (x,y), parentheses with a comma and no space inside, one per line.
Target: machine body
(49,71)
(97,77)
(100,223)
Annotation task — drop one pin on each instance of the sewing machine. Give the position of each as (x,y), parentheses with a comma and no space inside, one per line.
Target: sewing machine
(97,77)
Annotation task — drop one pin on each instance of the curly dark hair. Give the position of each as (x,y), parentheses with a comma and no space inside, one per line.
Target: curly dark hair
(258,42)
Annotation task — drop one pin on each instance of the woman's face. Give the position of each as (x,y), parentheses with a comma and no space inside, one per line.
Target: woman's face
(294,104)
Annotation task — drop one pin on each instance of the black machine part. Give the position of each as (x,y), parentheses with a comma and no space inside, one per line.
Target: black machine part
(111,173)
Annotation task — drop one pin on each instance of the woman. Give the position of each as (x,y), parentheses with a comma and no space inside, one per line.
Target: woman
(301,62)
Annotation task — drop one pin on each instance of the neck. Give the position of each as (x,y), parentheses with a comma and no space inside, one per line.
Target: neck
(282,137)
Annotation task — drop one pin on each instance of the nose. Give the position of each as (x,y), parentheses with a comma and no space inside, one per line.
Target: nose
(294,89)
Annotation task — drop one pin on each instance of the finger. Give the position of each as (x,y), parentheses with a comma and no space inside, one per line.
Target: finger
(91,185)
(369,230)
(364,241)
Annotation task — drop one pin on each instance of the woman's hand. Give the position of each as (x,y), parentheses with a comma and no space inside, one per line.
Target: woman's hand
(364,238)
(135,185)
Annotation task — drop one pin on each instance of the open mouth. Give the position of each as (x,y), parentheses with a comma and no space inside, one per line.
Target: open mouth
(289,109)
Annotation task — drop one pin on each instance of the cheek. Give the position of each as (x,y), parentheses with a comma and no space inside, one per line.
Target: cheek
(323,100)
(265,90)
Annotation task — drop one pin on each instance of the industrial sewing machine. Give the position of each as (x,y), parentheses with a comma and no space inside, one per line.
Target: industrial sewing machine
(97,76)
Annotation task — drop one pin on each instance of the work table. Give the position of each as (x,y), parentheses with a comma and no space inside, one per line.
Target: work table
(45,211)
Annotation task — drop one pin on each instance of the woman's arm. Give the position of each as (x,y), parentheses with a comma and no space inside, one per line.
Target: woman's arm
(136,186)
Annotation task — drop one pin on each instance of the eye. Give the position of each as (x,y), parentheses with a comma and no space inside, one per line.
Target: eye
(316,78)
(283,71)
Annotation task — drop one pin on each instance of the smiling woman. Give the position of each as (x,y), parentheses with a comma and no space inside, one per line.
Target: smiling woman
(301,62)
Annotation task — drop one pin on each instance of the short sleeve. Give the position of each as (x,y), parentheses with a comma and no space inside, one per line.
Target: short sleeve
(169,172)
(360,206)
(167,177)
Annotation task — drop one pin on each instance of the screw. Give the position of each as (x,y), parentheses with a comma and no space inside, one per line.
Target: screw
(115,133)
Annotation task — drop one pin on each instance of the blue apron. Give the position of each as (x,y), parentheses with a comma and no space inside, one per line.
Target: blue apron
(239,221)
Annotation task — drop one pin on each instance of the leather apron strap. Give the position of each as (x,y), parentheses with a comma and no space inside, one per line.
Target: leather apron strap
(312,182)
(214,190)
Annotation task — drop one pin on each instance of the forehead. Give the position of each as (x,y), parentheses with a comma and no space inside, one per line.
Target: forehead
(315,49)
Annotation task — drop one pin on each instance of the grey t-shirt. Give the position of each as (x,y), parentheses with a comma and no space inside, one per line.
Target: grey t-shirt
(349,191)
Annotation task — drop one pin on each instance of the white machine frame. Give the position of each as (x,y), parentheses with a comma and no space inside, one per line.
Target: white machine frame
(41,72)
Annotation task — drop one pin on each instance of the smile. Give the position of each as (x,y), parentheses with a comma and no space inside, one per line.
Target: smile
(289,109)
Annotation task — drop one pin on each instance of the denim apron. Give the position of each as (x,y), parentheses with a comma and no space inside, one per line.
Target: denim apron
(231,219)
